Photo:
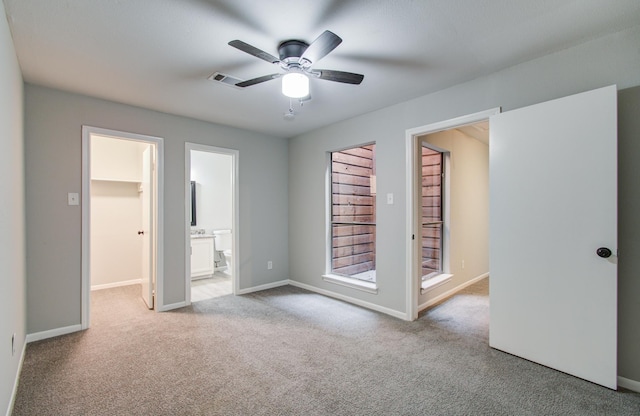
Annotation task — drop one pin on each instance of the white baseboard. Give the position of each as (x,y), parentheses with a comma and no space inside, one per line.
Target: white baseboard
(364,304)
(262,287)
(12,401)
(628,384)
(451,292)
(37,336)
(172,306)
(116,284)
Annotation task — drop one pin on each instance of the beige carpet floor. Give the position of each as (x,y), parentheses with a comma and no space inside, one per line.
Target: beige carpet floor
(287,351)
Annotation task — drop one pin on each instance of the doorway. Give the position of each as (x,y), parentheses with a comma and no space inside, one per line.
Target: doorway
(551,235)
(121,215)
(455,149)
(211,222)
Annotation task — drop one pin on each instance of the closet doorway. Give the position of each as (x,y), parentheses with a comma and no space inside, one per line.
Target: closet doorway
(211,222)
(120,215)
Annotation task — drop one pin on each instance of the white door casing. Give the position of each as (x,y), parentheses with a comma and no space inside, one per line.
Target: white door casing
(157,242)
(147,226)
(553,199)
(235,197)
(413,203)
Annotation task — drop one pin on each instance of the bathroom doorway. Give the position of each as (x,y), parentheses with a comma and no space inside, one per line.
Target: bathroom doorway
(211,249)
(121,215)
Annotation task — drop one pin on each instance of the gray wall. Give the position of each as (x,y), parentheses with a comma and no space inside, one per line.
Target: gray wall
(53,126)
(12,220)
(613,59)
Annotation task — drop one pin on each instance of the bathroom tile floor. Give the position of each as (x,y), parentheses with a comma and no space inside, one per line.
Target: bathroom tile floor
(213,287)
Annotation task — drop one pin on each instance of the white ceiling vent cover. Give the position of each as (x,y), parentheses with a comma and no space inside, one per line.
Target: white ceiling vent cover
(224,79)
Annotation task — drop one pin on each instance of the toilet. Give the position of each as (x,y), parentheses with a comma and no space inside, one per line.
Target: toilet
(222,242)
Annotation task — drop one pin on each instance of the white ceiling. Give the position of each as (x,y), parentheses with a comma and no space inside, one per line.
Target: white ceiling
(158,53)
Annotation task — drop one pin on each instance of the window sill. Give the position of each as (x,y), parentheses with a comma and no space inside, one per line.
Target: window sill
(435,282)
(368,287)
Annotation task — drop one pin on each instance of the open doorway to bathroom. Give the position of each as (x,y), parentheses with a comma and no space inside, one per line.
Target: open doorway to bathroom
(211,222)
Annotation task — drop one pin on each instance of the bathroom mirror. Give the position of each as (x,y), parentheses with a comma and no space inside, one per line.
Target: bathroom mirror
(193,202)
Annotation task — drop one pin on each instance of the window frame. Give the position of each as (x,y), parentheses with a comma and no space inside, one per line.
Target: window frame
(441,196)
(330,275)
(445,274)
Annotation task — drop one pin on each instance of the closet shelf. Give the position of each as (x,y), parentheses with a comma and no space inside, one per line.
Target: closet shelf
(117,180)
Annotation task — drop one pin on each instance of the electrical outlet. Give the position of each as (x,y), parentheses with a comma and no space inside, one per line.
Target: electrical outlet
(13,345)
(269,265)
(463,264)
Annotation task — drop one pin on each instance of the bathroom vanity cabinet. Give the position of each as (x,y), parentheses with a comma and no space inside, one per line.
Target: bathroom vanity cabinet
(202,264)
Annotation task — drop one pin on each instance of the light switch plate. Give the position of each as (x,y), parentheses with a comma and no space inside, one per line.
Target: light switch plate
(73,198)
(389,199)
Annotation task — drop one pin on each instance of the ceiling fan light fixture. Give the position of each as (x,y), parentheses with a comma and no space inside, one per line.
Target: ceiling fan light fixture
(295,85)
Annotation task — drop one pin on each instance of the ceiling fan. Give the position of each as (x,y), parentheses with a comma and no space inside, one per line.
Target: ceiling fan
(296,58)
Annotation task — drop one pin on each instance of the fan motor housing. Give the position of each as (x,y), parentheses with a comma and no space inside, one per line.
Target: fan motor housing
(291,49)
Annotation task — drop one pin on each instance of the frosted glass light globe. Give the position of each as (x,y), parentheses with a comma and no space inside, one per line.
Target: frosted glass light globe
(295,85)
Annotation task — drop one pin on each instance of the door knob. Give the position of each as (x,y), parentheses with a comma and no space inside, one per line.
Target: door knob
(603,252)
(140,232)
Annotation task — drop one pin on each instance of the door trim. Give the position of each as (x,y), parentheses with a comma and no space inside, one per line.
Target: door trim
(235,212)
(158,240)
(411,146)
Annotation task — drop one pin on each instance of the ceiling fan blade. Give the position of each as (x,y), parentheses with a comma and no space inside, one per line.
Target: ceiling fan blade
(340,76)
(252,50)
(320,47)
(258,80)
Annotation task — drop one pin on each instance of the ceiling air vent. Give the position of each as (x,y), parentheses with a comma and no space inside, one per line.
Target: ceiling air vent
(224,79)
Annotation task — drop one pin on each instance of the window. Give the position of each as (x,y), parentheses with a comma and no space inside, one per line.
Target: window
(353,213)
(431,215)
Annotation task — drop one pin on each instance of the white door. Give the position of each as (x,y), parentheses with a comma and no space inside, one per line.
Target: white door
(147,227)
(553,196)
